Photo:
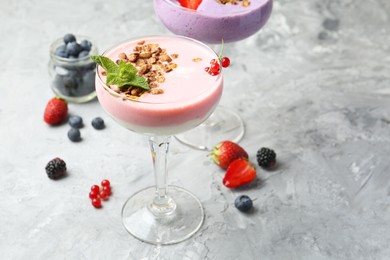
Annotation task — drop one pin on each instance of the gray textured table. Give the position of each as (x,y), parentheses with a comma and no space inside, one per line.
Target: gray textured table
(313,85)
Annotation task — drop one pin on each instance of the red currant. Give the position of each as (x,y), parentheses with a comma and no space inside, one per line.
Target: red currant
(215,68)
(213,61)
(225,62)
(107,189)
(93,194)
(96,202)
(106,183)
(207,69)
(95,188)
(103,195)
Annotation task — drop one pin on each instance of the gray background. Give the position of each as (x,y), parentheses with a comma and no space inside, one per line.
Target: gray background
(313,85)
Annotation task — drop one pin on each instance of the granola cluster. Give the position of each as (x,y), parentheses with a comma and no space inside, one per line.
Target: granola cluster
(244,3)
(152,62)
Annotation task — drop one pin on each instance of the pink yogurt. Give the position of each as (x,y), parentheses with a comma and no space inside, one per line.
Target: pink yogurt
(190,93)
(213,21)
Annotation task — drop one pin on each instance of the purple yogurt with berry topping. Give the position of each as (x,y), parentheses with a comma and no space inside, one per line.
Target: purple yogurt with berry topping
(213,21)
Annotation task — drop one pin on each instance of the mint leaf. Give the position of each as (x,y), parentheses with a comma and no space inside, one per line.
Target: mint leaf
(124,74)
(137,81)
(106,63)
(127,70)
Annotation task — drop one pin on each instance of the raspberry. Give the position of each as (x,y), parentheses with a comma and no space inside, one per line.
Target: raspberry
(55,168)
(266,157)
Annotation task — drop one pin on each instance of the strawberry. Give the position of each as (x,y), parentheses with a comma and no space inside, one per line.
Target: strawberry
(226,152)
(239,172)
(56,111)
(191,4)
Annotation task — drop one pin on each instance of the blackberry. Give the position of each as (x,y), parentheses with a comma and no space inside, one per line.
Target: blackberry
(55,168)
(243,203)
(266,157)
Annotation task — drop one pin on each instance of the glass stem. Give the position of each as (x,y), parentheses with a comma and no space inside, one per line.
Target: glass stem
(162,204)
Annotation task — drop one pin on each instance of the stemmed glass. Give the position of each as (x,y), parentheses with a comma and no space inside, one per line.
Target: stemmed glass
(163,214)
(211,23)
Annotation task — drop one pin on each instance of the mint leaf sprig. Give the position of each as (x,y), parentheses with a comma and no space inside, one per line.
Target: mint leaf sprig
(121,75)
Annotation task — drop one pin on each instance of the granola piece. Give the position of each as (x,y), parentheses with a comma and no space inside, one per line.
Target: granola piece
(153,84)
(197,59)
(152,60)
(145,55)
(246,3)
(160,79)
(133,57)
(156,91)
(122,56)
(141,42)
(165,57)
(175,56)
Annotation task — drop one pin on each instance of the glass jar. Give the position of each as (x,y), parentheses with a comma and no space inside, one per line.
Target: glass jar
(73,78)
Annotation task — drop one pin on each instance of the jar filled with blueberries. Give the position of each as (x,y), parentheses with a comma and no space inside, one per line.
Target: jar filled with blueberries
(71,68)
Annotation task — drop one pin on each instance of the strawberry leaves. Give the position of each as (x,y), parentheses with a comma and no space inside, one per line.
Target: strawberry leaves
(124,74)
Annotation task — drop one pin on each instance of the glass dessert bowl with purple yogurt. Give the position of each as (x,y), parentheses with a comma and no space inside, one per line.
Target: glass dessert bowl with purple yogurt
(214,22)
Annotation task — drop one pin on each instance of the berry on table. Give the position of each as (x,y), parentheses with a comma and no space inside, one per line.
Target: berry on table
(226,152)
(56,111)
(55,168)
(243,203)
(96,202)
(103,195)
(75,121)
(93,194)
(98,123)
(74,134)
(239,172)
(107,189)
(95,188)
(266,157)
(106,182)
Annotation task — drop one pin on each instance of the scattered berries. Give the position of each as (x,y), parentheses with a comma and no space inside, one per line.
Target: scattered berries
(266,157)
(56,168)
(216,64)
(74,134)
(191,4)
(56,111)
(98,193)
(98,123)
(239,172)
(226,152)
(75,121)
(243,203)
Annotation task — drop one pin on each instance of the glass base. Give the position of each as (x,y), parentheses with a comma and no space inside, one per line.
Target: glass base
(171,228)
(222,125)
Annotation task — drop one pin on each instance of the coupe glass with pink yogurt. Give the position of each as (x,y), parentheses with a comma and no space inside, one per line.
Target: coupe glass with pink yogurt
(164,214)
(210,23)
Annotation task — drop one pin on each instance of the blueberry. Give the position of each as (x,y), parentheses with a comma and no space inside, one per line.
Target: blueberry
(98,123)
(83,54)
(69,38)
(86,45)
(74,134)
(243,203)
(75,121)
(73,48)
(61,51)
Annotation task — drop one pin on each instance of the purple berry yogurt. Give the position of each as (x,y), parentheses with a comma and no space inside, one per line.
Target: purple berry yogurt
(213,21)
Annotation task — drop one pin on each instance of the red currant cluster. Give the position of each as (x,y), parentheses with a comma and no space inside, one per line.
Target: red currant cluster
(100,193)
(215,65)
